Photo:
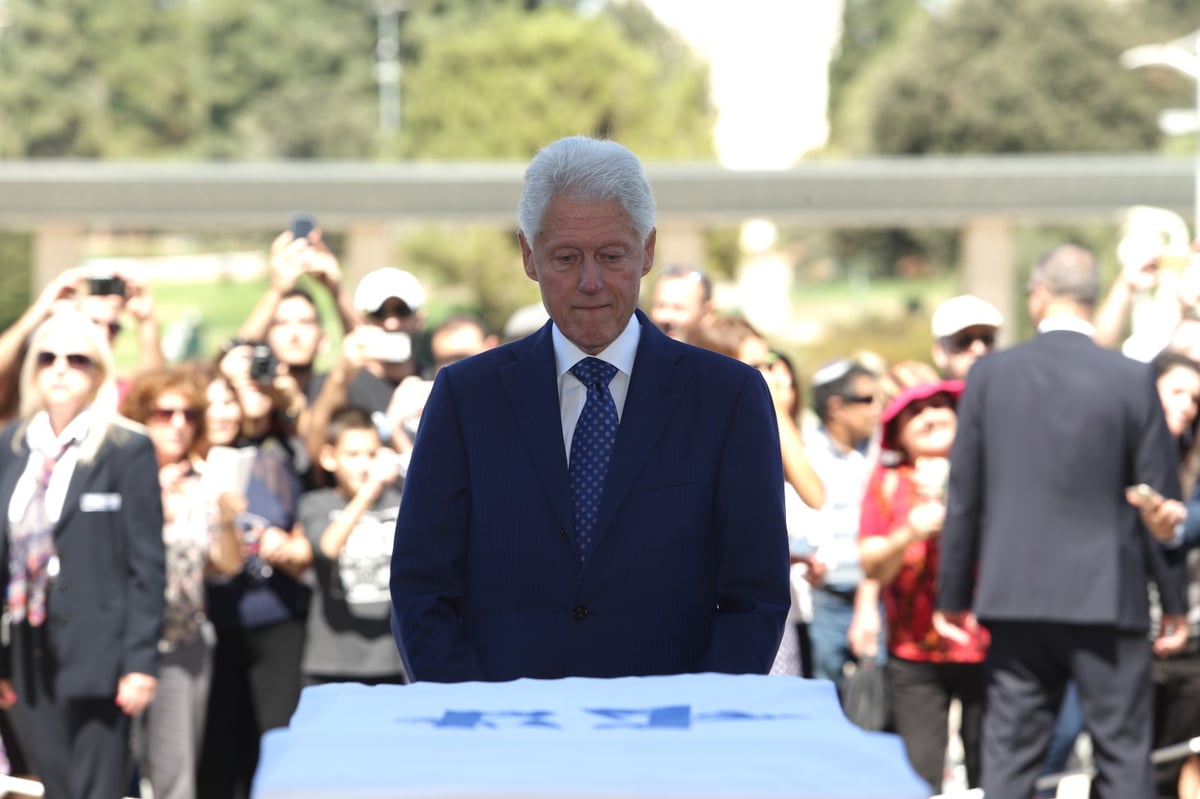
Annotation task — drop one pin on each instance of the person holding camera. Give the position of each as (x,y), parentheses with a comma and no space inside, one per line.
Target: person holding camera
(286,316)
(102,298)
(377,369)
(259,615)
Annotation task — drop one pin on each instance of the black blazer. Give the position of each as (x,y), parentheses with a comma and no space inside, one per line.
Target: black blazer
(1049,435)
(105,609)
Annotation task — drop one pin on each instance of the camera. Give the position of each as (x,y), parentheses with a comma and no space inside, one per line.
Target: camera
(302,225)
(390,347)
(263,364)
(106,285)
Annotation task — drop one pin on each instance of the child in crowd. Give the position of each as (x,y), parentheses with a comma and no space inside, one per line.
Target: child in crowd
(350,527)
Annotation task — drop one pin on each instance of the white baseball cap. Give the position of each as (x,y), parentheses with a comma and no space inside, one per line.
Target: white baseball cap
(959,313)
(376,287)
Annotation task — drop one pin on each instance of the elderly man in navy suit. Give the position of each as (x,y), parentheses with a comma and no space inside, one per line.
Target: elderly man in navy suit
(596,499)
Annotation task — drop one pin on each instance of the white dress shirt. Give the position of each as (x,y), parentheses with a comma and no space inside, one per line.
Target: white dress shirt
(572,394)
(44,444)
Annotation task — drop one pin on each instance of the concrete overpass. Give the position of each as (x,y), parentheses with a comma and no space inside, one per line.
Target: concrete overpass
(984,196)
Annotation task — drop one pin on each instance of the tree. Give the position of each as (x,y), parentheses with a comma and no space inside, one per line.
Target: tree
(115,79)
(289,79)
(1018,76)
(505,88)
(869,29)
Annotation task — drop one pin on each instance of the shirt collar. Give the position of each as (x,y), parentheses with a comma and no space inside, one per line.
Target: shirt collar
(1069,324)
(620,353)
(41,437)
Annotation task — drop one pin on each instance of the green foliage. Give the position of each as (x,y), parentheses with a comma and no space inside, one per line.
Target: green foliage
(111,79)
(505,87)
(1018,76)
(15,255)
(869,29)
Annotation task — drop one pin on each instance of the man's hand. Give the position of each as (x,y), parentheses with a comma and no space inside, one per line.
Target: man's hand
(1172,636)
(135,692)
(8,697)
(139,302)
(959,626)
(1161,516)
(405,408)
(287,261)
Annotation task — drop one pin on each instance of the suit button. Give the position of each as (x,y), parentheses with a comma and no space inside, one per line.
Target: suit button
(580,613)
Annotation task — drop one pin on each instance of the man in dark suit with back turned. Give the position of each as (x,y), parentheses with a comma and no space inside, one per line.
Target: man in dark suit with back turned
(1050,434)
(523,549)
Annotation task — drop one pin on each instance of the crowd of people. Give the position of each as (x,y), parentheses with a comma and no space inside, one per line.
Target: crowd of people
(187,546)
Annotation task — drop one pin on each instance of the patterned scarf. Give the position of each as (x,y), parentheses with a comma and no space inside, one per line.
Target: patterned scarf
(30,550)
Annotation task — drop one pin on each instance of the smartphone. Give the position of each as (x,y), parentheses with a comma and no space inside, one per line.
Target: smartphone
(1144,491)
(390,347)
(106,285)
(302,225)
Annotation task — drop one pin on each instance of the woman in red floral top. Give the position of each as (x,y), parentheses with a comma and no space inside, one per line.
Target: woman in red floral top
(901,522)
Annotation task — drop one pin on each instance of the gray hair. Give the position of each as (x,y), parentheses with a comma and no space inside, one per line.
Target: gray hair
(586,170)
(1068,271)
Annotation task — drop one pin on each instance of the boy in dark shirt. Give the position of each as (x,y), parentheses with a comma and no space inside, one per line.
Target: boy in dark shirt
(350,528)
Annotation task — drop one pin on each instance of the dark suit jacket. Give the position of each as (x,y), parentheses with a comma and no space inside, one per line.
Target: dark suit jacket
(105,609)
(689,570)
(1049,435)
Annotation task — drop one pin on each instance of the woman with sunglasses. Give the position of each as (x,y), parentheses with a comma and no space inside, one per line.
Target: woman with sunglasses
(899,545)
(201,538)
(81,564)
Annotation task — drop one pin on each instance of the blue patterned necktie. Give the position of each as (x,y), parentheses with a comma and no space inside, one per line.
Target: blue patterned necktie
(591,447)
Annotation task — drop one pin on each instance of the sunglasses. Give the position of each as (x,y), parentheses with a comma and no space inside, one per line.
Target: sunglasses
(165,415)
(962,341)
(859,399)
(392,311)
(75,360)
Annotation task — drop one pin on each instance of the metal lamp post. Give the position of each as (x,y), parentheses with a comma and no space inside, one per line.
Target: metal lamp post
(387,62)
(1182,55)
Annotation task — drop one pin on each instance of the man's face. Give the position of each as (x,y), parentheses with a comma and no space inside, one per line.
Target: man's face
(861,407)
(395,316)
(295,334)
(105,311)
(453,345)
(678,306)
(956,354)
(589,264)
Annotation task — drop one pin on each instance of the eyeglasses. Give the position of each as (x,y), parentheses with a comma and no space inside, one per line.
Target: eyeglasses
(963,340)
(75,360)
(392,311)
(165,415)
(859,399)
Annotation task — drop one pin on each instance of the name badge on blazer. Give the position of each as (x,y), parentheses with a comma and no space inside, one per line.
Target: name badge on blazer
(91,503)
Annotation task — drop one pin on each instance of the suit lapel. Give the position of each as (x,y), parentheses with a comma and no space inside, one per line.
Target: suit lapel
(81,477)
(532,387)
(655,388)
